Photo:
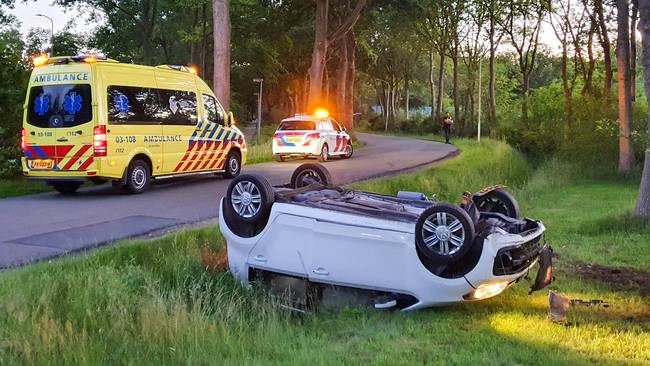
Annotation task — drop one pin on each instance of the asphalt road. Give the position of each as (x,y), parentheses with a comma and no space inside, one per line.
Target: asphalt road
(47,225)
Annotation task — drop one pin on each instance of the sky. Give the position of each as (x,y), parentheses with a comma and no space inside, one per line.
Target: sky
(26,14)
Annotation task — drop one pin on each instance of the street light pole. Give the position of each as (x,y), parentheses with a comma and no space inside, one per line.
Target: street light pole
(259,108)
(52,34)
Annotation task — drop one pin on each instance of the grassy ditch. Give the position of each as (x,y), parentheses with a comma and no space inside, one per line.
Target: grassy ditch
(153,302)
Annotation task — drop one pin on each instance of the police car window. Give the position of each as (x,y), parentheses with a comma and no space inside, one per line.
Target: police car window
(55,106)
(133,105)
(179,107)
(337,126)
(297,125)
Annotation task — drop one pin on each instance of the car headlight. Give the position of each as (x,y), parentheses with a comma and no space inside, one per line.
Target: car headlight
(487,290)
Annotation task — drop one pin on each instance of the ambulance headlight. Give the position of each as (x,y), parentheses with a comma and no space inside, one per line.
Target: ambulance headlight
(487,290)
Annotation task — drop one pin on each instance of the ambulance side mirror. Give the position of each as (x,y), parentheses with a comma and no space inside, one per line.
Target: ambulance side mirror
(230,119)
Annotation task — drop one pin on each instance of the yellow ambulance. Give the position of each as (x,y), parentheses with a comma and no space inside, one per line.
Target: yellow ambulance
(93,119)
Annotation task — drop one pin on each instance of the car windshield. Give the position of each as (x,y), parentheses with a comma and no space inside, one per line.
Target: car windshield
(296,125)
(57,106)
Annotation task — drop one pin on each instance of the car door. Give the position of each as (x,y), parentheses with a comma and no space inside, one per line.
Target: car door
(214,151)
(330,135)
(182,131)
(341,138)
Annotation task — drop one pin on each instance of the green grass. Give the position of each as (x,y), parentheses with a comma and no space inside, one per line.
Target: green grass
(19,186)
(153,302)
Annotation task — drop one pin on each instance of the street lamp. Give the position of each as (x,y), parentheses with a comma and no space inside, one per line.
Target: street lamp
(52,35)
(259,108)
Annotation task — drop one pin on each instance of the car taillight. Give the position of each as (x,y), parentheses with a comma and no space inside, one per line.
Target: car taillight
(100,143)
(312,136)
(23,139)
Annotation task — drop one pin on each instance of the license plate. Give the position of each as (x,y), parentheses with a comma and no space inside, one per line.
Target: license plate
(294,139)
(41,164)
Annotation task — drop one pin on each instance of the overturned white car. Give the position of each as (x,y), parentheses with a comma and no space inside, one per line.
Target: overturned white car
(407,251)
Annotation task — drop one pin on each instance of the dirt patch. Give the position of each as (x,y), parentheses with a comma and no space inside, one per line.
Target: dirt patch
(616,277)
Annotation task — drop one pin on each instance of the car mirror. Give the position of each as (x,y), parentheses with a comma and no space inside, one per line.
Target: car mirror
(230,119)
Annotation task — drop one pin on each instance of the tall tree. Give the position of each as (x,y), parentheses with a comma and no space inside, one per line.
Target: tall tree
(643,203)
(625,156)
(221,20)
(495,34)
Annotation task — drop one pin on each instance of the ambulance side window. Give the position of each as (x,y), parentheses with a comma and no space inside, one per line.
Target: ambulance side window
(213,113)
(133,105)
(180,107)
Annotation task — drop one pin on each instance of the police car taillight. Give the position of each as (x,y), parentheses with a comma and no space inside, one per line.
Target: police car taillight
(100,143)
(312,136)
(23,139)
(277,136)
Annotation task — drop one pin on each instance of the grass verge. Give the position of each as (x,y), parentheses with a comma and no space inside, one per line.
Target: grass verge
(154,302)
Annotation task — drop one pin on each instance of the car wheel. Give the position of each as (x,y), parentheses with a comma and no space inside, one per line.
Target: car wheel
(444,233)
(138,177)
(247,204)
(324,154)
(349,150)
(233,165)
(498,201)
(309,173)
(279,158)
(66,187)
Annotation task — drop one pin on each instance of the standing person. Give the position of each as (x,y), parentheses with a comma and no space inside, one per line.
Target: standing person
(447,123)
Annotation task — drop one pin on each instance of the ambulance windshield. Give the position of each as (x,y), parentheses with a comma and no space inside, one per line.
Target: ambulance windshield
(58,106)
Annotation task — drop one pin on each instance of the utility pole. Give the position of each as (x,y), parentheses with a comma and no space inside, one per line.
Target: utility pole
(51,35)
(480,79)
(259,108)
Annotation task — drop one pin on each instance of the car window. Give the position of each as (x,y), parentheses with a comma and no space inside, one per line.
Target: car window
(134,105)
(210,109)
(327,125)
(179,107)
(54,106)
(293,125)
(337,126)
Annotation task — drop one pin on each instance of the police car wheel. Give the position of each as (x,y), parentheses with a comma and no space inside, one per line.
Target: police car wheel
(310,173)
(444,233)
(247,204)
(348,150)
(233,165)
(65,187)
(138,177)
(498,201)
(324,154)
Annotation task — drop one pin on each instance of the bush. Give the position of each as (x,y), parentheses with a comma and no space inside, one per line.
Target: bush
(9,161)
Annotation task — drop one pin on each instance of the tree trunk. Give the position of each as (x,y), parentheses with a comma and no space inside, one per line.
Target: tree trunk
(643,203)
(432,86)
(606,46)
(492,103)
(633,20)
(204,41)
(318,58)
(588,87)
(221,19)
(149,15)
(441,85)
(342,80)
(568,97)
(348,119)
(624,100)
(525,86)
(407,96)
(454,62)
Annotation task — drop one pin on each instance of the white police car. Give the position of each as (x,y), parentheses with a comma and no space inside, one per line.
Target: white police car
(316,135)
(405,251)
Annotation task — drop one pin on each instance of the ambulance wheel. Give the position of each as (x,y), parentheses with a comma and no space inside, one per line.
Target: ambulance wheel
(65,187)
(310,173)
(233,165)
(247,204)
(444,233)
(138,177)
(348,150)
(324,154)
(498,201)
(279,158)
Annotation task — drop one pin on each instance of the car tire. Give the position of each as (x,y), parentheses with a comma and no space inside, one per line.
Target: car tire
(138,177)
(498,201)
(349,150)
(246,215)
(279,158)
(310,173)
(324,154)
(233,165)
(65,188)
(444,233)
